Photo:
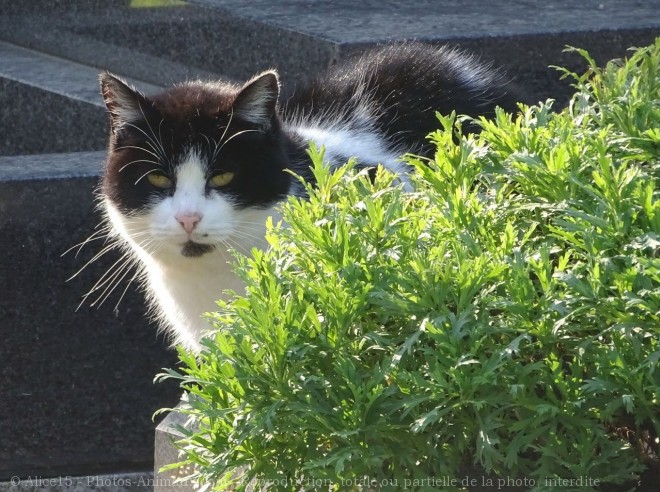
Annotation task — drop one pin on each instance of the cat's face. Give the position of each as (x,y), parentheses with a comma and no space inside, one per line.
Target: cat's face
(195,168)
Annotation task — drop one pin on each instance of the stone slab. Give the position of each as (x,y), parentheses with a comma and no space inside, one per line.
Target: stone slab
(166,453)
(61,76)
(51,166)
(34,121)
(176,40)
(72,80)
(50,104)
(77,393)
(125,482)
(370,21)
(158,45)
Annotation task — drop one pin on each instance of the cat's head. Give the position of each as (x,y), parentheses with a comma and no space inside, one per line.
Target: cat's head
(189,170)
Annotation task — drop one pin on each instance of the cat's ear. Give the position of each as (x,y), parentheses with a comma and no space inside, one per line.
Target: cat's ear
(125,104)
(257,100)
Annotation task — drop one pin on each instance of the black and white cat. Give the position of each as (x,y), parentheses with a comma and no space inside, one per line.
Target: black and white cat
(196,170)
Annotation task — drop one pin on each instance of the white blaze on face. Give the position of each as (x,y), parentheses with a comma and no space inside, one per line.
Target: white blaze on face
(190,186)
(191,214)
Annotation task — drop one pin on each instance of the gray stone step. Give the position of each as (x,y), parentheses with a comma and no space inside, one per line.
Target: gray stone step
(50,104)
(348,22)
(121,482)
(75,165)
(174,40)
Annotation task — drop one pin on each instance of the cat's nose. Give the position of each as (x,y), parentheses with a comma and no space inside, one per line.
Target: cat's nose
(188,221)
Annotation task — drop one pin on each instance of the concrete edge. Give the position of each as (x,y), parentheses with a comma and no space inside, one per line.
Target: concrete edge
(121,482)
(51,166)
(165,453)
(54,74)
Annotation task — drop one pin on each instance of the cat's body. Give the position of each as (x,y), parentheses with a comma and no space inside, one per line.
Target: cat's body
(196,170)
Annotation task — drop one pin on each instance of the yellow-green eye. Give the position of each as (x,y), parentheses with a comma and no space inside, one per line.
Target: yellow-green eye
(159,180)
(222,179)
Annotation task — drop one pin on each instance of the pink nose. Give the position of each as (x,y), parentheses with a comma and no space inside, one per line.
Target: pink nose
(188,221)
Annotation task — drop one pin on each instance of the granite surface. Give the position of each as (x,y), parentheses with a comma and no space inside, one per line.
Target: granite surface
(50,104)
(51,166)
(125,482)
(175,41)
(77,82)
(368,21)
(161,45)
(33,121)
(166,453)
(76,386)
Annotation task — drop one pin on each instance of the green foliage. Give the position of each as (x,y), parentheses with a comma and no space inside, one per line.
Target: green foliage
(497,318)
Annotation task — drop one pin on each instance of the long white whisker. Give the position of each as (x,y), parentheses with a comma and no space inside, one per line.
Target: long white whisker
(218,147)
(128,284)
(111,279)
(147,121)
(93,237)
(112,287)
(241,248)
(110,272)
(98,255)
(149,138)
(155,144)
(114,282)
(236,135)
(107,277)
(231,117)
(139,160)
(123,147)
(145,174)
(160,136)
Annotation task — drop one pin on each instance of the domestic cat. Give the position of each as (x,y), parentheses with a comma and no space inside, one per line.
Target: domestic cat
(195,170)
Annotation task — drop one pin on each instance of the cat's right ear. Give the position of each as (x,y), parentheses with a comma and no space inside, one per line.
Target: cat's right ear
(125,104)
(257,100)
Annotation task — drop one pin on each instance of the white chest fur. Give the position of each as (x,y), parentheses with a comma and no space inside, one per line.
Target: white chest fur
(183,290)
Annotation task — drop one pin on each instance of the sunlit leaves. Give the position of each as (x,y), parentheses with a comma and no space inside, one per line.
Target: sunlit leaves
(500,313)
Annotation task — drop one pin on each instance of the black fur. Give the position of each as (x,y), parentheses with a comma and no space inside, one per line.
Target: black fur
(408,83)
(194,115)
(405,85)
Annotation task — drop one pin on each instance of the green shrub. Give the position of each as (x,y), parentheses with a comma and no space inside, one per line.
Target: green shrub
(499,322)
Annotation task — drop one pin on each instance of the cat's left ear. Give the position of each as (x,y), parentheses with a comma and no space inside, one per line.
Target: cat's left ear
(125,104)
(257,100)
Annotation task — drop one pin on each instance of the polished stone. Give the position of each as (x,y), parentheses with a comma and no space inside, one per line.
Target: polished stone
(77,393)
(166,41)
(166,453)
(50,104)
(34,121)
(369,21)
(51,166)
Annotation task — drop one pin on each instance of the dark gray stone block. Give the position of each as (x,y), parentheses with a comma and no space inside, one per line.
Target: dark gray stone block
(235,39)
(51,166)
(77,393)
(369,21)
(49,104)
(166,453)
(34,121)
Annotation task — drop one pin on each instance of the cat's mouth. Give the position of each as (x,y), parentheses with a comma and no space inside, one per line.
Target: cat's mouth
(192,249)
